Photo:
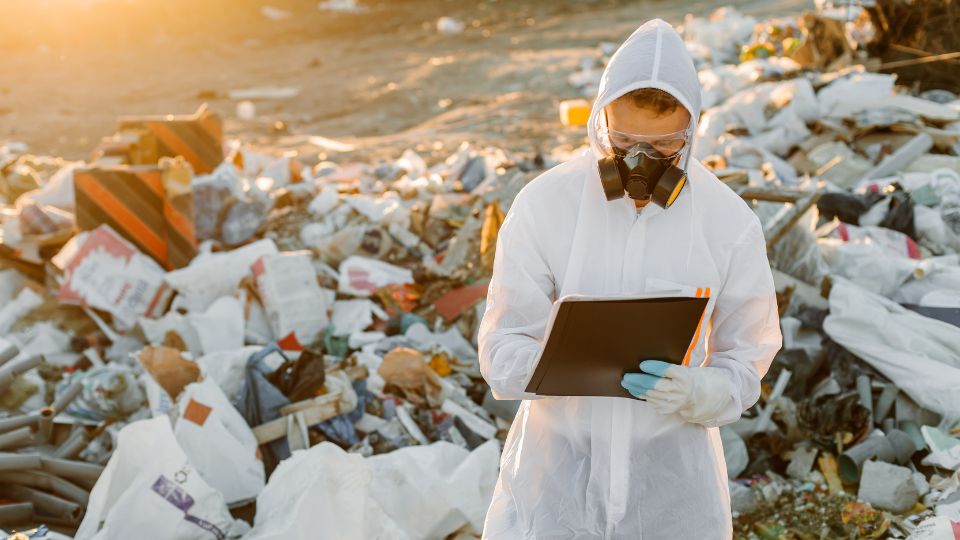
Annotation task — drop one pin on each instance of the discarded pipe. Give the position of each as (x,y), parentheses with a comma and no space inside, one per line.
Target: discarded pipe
(8,353)
(11,370)
(912,429)
(45,424)
(67,397)
(44,502)
(894,447)
(889,424)
(73,445)
(14,422)
(763,419)
(16,438)
(18,462)
(78,470)
(865,391)
(16,513)
(885,402)
(47,482)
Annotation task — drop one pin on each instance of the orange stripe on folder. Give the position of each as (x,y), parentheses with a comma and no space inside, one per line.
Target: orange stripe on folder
(701,293)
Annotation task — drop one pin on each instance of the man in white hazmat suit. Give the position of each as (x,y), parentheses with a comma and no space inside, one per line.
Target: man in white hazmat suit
(590,467)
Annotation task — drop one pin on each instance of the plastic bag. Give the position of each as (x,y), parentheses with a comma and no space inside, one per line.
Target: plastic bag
(218,442)
(260,402)
(411,493)
(877,259)
(431,491)
(919,354)
(797,252)
(162,497)
(321,493)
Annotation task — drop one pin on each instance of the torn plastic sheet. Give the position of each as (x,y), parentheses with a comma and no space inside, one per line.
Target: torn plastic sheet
(919,354)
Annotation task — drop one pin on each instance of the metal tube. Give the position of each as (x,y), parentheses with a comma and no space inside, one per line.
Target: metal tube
(885,402)
(44,502)
(47,482)
(18,462)
(45,424)
(8,353)
(78,470)
(14,422)
(67,397)
(16,438)
(11,370)
(16,513)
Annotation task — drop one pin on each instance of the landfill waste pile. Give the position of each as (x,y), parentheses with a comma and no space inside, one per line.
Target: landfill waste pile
(201,339)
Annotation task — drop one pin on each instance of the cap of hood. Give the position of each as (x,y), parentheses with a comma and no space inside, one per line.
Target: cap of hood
(654,56)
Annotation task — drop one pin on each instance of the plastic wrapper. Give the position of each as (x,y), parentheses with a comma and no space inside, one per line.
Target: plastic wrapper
(110,392)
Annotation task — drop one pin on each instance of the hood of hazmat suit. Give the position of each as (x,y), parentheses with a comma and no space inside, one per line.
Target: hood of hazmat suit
(592,468)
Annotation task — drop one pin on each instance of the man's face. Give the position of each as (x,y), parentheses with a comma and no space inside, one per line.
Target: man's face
(624,116)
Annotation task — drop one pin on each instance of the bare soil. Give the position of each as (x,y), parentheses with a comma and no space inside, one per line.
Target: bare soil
(384,79)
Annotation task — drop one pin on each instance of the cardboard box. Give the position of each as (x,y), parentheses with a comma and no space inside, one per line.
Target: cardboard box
(143,140)
(151,206)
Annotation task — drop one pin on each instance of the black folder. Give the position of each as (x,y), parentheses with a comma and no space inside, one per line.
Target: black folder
(592,342)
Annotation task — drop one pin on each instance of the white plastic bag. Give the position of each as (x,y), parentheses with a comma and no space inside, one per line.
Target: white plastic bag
(919,354)
(415,492)
(150,490)
(431,491)
(321,493)
(877,259)
(218,441)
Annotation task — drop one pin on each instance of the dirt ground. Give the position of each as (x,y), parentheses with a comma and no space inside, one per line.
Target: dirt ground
(384,79)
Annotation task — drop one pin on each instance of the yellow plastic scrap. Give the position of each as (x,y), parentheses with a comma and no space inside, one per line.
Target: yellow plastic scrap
(440,364)
(574,112)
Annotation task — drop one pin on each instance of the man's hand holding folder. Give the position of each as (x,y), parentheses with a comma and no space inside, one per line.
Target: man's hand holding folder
(697,394)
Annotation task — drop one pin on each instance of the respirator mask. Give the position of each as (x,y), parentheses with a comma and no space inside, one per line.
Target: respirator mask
(644,167)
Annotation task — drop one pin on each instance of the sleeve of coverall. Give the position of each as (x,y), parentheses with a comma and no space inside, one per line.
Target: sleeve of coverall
(745,332)
(519,300)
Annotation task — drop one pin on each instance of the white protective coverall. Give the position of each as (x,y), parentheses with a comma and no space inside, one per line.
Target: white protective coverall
(590,468)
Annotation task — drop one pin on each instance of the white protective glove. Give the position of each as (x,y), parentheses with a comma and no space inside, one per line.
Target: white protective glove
(697,394)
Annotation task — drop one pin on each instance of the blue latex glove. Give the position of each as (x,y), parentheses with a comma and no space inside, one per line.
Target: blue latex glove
(697,394)
(639,384)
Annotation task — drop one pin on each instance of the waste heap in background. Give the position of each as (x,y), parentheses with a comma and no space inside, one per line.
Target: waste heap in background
(856,181)
(236,331)
(209,341)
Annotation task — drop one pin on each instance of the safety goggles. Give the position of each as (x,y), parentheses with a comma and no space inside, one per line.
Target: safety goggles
(664,146)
